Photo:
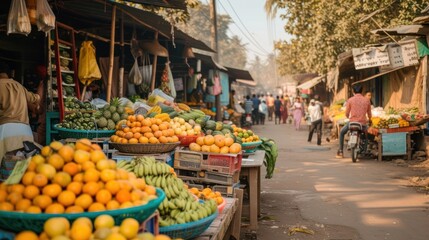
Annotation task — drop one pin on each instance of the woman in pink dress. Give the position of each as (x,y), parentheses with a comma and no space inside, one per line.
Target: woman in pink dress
(298,111)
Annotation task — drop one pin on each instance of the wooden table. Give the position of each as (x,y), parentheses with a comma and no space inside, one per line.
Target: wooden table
(379,133)
(252,170)
(221,226)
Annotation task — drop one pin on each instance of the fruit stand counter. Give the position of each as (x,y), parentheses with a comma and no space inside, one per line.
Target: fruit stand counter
(251,168)
(394,141)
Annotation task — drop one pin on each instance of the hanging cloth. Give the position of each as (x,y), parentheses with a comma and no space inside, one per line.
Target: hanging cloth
(88,67)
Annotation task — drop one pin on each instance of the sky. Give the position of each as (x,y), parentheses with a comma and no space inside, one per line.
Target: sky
(258,32)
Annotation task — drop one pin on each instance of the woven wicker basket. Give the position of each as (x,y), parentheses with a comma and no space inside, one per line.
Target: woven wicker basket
(144,148)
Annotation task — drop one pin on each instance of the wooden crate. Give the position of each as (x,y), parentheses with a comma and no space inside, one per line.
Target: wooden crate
(223,179)
(226,190)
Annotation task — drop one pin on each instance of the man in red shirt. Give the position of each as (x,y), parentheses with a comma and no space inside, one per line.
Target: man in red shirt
(358,108)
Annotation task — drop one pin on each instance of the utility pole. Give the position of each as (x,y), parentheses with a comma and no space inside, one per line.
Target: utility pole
(214,45)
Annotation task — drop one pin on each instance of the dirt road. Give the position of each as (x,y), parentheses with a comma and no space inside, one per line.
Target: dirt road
(335,198)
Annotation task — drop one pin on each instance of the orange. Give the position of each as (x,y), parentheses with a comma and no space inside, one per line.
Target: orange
(83,144)
(123,196)
(129,228)
(126,205)
(81,156)
(22,205)
(132,118)
(40,180)
(31,166)
(75,187)
(145,129)
(124,140)
(97,155)
(74,209)
(6,206)
(219,140)
(91,188)
(112,186)
(153,140)
(83,201)
(163,126)
(43,236)
(38,159)
(163,139)
(154,128)
(3,195)
(150,190)
(17,188)
(67,153)
(165,133)
(121,174)
(91,175)
(112,204)
(108,175)
(112,163)
(115,236)
(148,134)
(138,183)
(214,148)
(120,133)
(71,168)
(31,192)
(14,197)
(133,141)
(27,179)
(80,231)
(137,195)
(143,140)
(78,177)
(55,145)
(56,226)
(103,164)
(62,178)
(33,209)
(174,139)
(87,165)
(56,161)
(55,208)
(209,140)
(162,237)
(96,147)
(46,170)
(46,151)
(137,135)
(158,121)
(52,190)
(170,132)
(224,150)
(147,122)
(139,117)
(26,235)
(194,147)
(228,141)
(66,198)
(103,196)
(104,221)
(42,201)
(235,148)
(96,207)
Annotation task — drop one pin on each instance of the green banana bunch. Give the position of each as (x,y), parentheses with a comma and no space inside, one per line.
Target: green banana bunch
(271,154)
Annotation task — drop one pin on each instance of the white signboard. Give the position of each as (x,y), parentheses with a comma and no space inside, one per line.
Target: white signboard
(370,57)
(409,54)
(395,57)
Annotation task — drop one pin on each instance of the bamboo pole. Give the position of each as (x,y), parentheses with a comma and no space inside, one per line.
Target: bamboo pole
(112,54)
(155,60)
(122,59)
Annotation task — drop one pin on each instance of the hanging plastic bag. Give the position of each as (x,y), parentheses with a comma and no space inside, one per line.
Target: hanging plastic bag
(171,82)
(146,69)
(135,76)
(217,88)
(45,16)
(88,67)
(18,20)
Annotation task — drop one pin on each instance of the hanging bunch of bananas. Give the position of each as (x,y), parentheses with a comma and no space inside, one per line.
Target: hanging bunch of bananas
(179,206)
(271,153)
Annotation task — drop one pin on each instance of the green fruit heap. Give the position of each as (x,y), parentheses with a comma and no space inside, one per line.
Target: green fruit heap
(110,115)
(179,206)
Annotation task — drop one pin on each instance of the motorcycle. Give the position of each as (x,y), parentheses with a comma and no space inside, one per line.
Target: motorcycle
(357,140)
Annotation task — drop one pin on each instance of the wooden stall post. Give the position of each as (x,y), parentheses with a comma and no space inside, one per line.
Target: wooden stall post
(154,63)
(112,54)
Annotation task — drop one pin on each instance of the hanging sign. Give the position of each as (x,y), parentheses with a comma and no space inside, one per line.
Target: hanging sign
(370,57)
(410,56)
(395,58)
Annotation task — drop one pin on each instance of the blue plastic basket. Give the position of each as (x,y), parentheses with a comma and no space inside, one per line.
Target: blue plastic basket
(19,221)
(90,134)
(250,147)
(188,230)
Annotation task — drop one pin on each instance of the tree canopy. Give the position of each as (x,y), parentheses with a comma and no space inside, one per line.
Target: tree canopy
(322,29)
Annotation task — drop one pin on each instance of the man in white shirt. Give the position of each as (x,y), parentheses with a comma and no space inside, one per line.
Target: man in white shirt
(315,113)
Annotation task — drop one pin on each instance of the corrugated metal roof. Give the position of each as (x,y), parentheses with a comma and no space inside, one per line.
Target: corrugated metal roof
(177,4)
(413,30)
(239,74)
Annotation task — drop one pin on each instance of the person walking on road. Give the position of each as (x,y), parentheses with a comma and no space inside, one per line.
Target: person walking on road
(255,113)
(285,112)
(277,110)
(315,113)
(358,108)
(263,112)
(298,112)
(270,104)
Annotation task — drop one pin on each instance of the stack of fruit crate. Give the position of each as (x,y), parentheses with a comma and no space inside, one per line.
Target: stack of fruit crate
(219,171)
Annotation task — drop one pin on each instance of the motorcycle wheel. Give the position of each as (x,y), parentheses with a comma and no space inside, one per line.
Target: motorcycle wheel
(354,152)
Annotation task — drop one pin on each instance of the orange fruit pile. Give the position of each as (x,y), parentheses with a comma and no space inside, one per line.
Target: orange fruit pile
(138,129)
(215,144)
(74,179)
(83,228)
(207,193)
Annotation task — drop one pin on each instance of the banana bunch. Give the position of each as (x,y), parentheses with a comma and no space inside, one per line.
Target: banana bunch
(271,153)
(165,117)
(179,206)
(183,107)
(155,109)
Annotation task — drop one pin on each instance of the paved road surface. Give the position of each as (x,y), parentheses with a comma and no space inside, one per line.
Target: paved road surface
(336,198)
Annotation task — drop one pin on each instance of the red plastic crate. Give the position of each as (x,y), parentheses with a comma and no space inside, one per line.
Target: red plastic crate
(223,163)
